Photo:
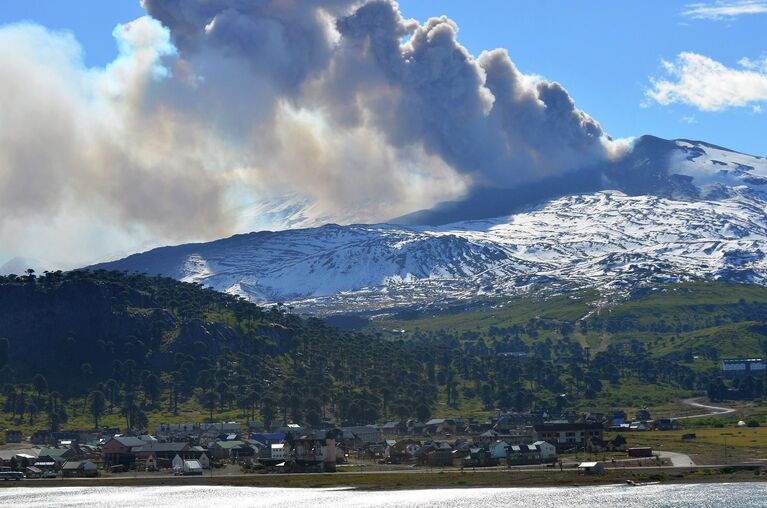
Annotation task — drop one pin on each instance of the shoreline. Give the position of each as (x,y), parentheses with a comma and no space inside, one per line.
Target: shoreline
(407,480)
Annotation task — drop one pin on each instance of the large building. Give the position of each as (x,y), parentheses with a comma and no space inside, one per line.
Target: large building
(566,435)
(742,367)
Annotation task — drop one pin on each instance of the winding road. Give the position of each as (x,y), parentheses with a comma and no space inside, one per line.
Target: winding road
(712,410)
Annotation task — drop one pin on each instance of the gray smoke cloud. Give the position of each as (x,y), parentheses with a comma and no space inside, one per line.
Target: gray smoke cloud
(214,104)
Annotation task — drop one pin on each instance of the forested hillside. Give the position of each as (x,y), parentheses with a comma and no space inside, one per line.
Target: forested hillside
(93,348)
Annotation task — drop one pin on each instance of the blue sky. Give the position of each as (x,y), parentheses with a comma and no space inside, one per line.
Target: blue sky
(604,52)
(106,152)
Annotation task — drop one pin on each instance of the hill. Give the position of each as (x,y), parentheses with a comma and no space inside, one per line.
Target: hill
(156,350)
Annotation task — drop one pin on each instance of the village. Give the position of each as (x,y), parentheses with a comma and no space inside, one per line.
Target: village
(509,440)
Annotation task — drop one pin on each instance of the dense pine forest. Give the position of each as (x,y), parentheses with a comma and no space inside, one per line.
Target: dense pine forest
(93,348)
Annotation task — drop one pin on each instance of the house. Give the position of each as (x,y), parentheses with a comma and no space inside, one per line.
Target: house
(435,454)
(79,469)
(591,468)
(643,415)
(637,451)
(479,457)
(22,457)
(33,472)
(415,428)
(25,459)
(743,367)
(617,444)
(186,467)
(268,439)
(394,428)
(13,436)
(177,464)
(233,450)
(316,452)
(59,455)
(665,424)
(162,450)
(440,426)
(277,453)
(499,449)
(486,438)
(151,464)
(46,464)
(42,437)
(617,418)
(565,435)
(359,436)
(524,454)
(186,429)
(547,450)
(401,452)
(119,450)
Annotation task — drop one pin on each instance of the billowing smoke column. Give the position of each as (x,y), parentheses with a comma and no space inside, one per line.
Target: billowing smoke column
(480,116)
(213,104)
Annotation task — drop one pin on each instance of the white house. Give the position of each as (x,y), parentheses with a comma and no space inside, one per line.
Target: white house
(204,461)
(548,450)
(186,467)
(279,451)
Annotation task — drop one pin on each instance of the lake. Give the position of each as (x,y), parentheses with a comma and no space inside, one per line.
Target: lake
(740,495)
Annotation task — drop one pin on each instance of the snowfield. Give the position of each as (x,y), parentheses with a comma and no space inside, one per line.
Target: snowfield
(606,240)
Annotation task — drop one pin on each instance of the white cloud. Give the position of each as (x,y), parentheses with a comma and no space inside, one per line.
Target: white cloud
(709,85)
(725,10)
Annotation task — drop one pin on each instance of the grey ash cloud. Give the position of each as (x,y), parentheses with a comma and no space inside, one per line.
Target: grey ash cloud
(213,103)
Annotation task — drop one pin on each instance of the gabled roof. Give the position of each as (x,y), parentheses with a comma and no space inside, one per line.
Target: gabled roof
(228,445)
(161,447)
(54,453)
(436,421)
(275,436)
(129,441)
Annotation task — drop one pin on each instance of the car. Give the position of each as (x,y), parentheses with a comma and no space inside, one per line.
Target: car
(49,474)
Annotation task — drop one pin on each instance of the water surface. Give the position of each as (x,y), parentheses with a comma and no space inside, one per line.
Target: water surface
(740,495)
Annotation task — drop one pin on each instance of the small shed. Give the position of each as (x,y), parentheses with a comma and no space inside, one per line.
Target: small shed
(643,451)
(34,472)
(591,468)
(13,436)
(84,468)
(192,467)
(151,463)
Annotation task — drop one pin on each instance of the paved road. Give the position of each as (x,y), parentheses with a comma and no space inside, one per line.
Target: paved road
(677,459)
(712,410)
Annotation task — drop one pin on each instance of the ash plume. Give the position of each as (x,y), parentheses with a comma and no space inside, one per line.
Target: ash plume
(212,104)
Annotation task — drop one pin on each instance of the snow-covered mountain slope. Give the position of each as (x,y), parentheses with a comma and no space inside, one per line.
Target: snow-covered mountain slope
(713,224)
